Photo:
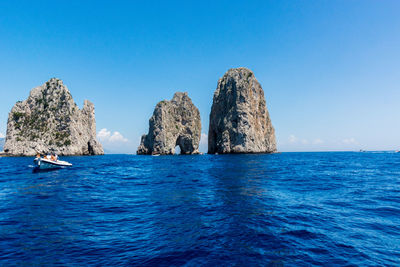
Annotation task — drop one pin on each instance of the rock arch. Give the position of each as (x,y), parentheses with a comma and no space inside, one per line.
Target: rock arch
(174,123)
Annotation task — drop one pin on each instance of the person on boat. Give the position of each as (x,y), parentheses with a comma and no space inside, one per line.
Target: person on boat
(38,156)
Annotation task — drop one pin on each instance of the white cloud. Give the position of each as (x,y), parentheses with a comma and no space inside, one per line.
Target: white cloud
(304,141)
(293,139)
(203,146)
(2,135)
(350,141)
(117,137)
(105,135)
(318,141)
(204,139)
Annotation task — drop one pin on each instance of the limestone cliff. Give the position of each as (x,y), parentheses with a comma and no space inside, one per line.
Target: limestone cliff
(174,123)
(50,121)
(239,119)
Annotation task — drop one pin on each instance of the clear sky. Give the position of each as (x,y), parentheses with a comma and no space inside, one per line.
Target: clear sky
(330,70)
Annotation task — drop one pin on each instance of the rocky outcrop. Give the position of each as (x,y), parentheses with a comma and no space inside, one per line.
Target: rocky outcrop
(174,123)
(239,119)
(50,121)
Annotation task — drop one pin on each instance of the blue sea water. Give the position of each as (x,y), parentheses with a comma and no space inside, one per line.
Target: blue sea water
(289,209)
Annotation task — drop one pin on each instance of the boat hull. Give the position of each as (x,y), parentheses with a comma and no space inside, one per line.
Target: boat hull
(45,164)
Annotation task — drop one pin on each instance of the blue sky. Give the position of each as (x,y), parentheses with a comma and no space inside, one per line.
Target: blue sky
(330,70)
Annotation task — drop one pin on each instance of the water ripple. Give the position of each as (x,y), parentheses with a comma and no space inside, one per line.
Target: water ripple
(292,209)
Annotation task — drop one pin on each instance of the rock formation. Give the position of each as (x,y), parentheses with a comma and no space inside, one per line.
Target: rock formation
(174,123)
(50,121)
(239,119)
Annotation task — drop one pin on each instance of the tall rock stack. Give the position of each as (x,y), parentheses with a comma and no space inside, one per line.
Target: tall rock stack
(239,119)
(174,123)
(50,121)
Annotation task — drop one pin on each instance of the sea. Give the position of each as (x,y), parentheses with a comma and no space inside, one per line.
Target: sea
(286,209)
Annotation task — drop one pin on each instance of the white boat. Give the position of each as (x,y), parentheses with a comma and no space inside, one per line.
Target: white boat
(43,163)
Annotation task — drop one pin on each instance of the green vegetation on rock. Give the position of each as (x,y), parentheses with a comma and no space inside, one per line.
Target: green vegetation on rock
(17,115)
